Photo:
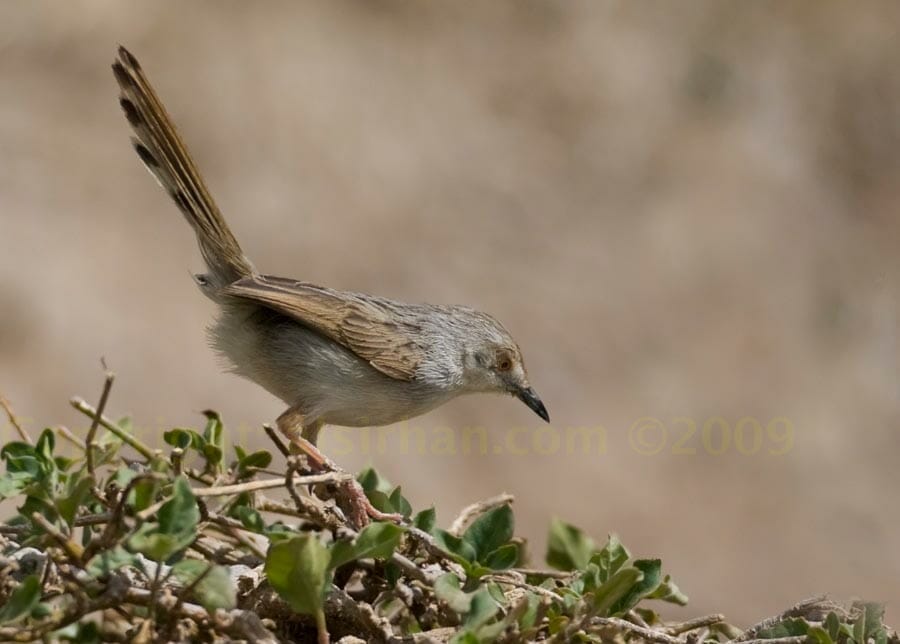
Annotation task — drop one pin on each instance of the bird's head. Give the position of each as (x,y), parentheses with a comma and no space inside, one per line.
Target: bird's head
(492,363)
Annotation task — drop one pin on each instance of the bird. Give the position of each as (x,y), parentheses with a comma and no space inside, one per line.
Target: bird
(333,357)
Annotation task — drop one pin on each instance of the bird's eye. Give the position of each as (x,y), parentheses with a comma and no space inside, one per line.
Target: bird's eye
(505,364)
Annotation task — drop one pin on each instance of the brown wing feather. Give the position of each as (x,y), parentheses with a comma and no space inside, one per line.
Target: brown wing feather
(368,328)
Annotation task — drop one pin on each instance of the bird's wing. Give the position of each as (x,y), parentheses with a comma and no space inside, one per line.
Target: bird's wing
(367,327)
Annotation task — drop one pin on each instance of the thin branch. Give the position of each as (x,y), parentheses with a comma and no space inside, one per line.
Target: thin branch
(184,594)
(277,440)
(95,421)
(111,598)
(177,460)
(311,510)
(66,433)
(472,512)
(13,529)
(266,484)
(511,581)
(428,543)
(232,528)
(379,627)
(694,624)
(114,518)
(412,570)
(72,549)
(93,519)
(795,610)
(249,486)
(154,590)
(234,622)
(11,415)
(633,617)
(81,405)
(649,634)
(543,574)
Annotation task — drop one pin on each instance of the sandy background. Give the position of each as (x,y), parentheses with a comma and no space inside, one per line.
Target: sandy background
(680,210)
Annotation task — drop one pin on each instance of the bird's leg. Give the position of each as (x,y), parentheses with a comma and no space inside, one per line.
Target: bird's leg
(303,436)
(311,432)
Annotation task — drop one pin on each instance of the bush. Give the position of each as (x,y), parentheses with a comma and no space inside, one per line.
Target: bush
(128,543)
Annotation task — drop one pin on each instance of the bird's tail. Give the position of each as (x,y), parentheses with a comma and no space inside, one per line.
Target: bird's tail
(163,152)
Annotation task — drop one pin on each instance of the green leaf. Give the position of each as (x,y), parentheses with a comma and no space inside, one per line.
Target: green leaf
(667,591)
(23,600)
(180,438)
(447,589)
(392,573)
(297,569)
(869,624)
(213,433)
(529,616)
(81,632)
(612,557)
(41,506)
(144,493)
(859,627)
(177,527)
(148,540)
(370,480)
(481,609)
(21,458)
(109,440)
(568,548)
(213,456)
(462,550)
(45,444)
(793,627)
(258,459)
(63,463)
(376,541)
(108,561)
(180,514)
(380,501)
(399,503)
(588,581)
(41,611)
(651,579)
(504,557)
(123,476)
(819,635)
(425,520)
(490,531)
(833,625)
(214,590)
(67,506)
(278,531)
(465,637)
(12,484)
(614,589)
(250,518)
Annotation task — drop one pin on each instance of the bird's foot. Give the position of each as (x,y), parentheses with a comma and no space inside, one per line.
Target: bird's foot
(356,504)
(360,509)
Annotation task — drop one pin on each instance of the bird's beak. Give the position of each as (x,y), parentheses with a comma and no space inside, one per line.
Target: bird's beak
(529,396)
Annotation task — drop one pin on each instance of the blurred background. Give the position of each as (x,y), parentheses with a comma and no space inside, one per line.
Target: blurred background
(687,215)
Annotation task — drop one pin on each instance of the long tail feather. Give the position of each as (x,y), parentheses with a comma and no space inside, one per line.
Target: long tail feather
(159,146)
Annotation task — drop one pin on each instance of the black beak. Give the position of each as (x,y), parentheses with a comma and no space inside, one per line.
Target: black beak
(529,397)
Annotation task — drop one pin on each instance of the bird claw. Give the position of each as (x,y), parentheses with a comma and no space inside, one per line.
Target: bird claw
(360,509)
